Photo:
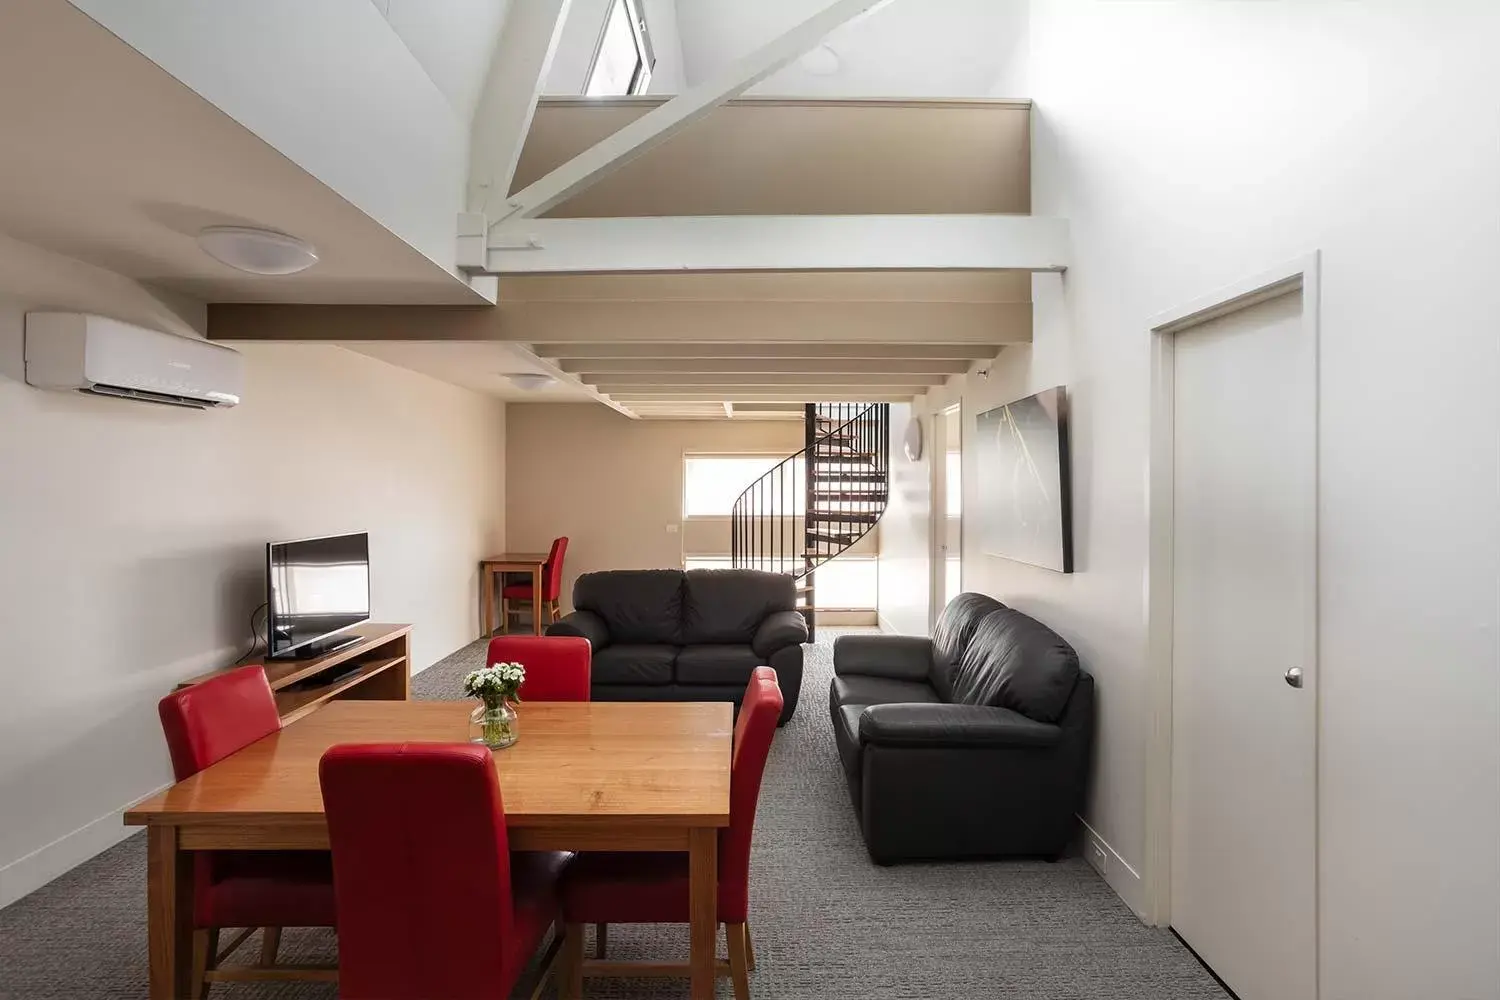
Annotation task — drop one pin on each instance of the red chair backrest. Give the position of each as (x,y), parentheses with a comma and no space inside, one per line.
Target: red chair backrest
(557,666)
(753,733)
(209,721)
(421,871)
(552,571)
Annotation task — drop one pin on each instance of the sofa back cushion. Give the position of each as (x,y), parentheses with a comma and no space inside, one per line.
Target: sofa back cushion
(955,629)
(1018,663)
(728,605)
(638,605)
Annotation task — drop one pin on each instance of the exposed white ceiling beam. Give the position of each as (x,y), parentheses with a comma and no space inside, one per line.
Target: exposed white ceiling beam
(518,71)
(978,323)
(608,383)
(811,394)
(660,124)
(736,392)
(615,369)
(706,351)
(780,243)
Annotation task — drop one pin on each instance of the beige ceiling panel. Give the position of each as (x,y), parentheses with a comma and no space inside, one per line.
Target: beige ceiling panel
(773,286)
(797,157)
(607,370)
(680,351)
(660,381)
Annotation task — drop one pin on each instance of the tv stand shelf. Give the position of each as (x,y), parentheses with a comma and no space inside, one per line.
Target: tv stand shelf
(382,672)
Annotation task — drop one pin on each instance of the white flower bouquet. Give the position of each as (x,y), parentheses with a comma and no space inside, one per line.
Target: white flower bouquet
(499,687)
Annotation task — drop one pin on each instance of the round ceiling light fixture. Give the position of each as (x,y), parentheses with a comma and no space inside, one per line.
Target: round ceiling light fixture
(530,381)
(257,251)
(821,61)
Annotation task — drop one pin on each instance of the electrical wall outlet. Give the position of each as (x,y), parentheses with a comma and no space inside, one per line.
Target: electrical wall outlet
(1097,855)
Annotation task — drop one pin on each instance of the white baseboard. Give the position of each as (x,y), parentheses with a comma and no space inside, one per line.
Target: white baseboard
(27,874)
(1114,869)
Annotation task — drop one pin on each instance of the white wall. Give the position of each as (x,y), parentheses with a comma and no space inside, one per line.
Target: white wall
(132,543)
(1192,145)
(906,532)
(332,86)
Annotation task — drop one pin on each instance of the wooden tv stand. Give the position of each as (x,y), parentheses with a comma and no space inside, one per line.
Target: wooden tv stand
(383,659)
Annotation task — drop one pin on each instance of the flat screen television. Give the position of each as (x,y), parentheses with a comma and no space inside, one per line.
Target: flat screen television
(316,588)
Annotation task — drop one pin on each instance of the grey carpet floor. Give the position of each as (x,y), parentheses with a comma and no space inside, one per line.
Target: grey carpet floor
(828,924)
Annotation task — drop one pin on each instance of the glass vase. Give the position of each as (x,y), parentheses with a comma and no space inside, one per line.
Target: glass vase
(494,726)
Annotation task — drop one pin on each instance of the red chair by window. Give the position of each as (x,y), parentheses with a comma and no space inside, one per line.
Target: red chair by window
(520,593)
(557,666)
(270,889)
(619,888)
(432,902)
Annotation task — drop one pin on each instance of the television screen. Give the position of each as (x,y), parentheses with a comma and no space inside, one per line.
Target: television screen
(1022,476)
(317,586)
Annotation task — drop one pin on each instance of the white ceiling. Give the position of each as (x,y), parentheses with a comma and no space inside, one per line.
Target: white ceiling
(452,39)
(110,160)
(478,365)
(908,48)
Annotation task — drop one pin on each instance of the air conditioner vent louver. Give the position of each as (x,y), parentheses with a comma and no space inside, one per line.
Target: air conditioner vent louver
(145,396)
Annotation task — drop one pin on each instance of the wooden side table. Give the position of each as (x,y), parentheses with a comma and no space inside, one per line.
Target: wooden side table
(509,562)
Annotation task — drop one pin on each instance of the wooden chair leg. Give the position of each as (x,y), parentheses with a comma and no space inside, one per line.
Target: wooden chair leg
(205,947)
(601,940)
(570,968)
(504,617)
(270,943)
(739,964)
(749,949)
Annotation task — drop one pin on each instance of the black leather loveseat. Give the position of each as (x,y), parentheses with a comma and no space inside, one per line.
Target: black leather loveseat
(670,635)
(974,743)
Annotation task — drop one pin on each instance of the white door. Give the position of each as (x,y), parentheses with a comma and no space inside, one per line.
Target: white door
(1244,614)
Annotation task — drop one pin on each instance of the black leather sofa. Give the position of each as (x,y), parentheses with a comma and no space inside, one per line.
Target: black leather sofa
(670,635)
(974,743)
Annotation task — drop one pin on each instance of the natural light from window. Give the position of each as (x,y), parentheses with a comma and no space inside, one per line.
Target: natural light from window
(623,63)
(848,583)
(712,483)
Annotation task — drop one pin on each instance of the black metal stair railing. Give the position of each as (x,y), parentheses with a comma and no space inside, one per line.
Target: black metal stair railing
(819,502)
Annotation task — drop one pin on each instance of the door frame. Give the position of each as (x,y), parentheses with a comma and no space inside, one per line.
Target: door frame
(937,584)
(1301,273)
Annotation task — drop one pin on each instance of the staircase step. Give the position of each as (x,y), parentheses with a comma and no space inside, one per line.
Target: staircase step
(848,477)
(850,496)
(847,517)
(834,538)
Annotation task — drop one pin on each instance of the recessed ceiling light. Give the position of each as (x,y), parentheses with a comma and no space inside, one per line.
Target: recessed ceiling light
(530,381)
(821,61)
(257,251)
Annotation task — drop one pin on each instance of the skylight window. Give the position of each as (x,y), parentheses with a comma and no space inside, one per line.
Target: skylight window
(623,62)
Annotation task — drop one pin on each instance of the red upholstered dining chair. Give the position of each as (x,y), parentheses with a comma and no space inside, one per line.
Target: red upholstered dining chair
(431,900)
(631,888)
(204,724)
(520,593)
(557,666)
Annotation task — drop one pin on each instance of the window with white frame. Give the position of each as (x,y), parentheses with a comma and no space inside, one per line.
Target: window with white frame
(623,61)
(712,483)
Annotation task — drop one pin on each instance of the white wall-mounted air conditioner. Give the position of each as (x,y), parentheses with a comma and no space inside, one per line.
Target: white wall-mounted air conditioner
(106,357)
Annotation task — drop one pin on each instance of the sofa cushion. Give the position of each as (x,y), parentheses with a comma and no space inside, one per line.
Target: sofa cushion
(727,605)
(862,689)
(638,605)
(633,664)
(716,664)
(1016,662)
(952,635)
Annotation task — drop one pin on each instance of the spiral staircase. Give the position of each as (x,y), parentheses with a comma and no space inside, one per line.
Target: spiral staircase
(818,503)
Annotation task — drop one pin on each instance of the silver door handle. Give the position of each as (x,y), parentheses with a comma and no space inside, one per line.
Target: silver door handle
(1294,676)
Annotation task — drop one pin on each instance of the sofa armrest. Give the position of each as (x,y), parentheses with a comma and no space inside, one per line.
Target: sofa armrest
(923,725)
(898,657)
(585,624)
(779,630)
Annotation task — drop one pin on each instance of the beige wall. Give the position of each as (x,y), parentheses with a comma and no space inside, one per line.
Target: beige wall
(614,485)
(132,543)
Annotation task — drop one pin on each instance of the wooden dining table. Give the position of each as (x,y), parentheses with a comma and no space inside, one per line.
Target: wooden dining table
(509,562)
(584,776)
